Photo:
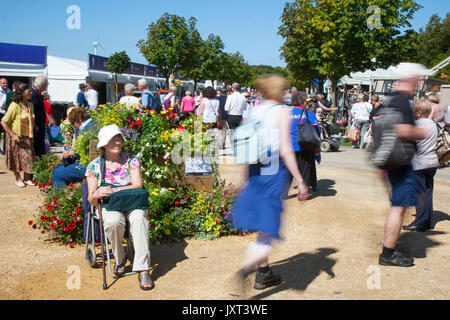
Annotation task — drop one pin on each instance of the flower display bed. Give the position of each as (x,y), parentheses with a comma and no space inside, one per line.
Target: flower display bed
(180,207)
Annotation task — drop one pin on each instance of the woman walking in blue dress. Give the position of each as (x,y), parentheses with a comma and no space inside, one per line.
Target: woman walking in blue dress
(259,205)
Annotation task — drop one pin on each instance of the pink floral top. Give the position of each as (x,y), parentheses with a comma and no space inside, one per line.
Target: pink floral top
(119,177)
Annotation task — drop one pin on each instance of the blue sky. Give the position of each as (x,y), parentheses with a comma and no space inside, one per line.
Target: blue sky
(249,27)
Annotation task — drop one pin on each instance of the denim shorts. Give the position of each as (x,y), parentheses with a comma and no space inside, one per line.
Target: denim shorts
(403,187)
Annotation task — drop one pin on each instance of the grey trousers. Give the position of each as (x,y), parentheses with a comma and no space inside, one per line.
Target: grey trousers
(114,223)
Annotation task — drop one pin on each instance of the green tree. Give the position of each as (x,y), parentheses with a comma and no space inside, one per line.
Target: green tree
(233,68)
(333,38)
(433,43)
(256,71)
(203,57)
(117,64)
(167,44)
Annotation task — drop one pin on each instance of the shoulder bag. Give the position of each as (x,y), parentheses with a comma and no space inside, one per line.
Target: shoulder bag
(125,200)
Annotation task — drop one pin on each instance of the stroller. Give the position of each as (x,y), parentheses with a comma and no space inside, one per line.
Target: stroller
(328,143)
(93,232)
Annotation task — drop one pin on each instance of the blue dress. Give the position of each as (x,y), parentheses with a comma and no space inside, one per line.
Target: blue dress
(259,206)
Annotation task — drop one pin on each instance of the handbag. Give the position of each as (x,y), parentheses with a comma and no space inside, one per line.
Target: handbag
(125,200)
(307,136)
(353,134)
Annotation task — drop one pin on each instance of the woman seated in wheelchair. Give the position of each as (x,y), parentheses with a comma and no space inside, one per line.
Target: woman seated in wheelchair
(121,172)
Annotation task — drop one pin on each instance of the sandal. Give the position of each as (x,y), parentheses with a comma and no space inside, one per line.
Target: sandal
(145,281)
(119,270)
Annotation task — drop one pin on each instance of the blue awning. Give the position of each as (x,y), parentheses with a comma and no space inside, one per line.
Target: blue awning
(20,53)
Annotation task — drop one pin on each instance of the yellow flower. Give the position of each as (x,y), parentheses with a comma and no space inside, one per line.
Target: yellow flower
(167,232)
(172,189)
(166,221)
(155,193)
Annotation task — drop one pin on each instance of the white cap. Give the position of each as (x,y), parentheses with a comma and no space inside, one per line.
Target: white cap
(106,134)
(407,70)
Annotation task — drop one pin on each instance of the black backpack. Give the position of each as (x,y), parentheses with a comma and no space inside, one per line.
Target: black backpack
(307,136)
(387,150)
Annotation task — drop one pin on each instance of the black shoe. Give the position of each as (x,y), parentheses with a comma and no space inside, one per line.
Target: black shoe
(265,280)
(414,228)
(396,260)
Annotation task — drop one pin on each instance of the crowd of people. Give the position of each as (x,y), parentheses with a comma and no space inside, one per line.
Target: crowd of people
(26,116)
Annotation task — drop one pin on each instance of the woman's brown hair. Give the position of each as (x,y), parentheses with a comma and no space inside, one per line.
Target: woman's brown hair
(77,114)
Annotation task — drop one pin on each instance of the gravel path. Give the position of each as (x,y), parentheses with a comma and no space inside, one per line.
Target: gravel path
(329,249)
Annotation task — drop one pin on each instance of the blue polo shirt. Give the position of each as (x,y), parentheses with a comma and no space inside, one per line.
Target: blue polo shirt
(296,113)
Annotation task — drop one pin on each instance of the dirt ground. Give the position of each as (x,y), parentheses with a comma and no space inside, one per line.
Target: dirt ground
(329,250)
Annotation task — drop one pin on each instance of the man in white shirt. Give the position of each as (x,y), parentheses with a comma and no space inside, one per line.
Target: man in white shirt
(4,90)
(91,96)
(235,106)
(361,115)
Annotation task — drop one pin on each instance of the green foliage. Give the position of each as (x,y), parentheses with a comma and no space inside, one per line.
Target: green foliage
(233,68)
(43,169)
(118,62)
(167,44)
(61,215)
(333,38)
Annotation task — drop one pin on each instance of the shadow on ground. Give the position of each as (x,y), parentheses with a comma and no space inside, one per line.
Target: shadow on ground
(439,216)
(161,262)
(415,244)
(325,188)
(299,271)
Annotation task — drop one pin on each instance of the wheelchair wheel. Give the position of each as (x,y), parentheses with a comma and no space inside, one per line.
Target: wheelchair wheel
(325,146)
(92,257)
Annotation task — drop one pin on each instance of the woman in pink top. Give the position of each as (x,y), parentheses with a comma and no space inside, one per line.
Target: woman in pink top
(188,104)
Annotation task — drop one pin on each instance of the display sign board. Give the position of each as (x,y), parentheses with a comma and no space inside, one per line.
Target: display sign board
(198,166)
(20,53)
(137,69)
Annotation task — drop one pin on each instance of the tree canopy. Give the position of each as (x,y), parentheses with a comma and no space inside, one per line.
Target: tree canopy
(117,64)
(333,38)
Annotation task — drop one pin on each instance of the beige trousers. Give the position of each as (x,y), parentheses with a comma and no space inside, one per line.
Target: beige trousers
(114,223)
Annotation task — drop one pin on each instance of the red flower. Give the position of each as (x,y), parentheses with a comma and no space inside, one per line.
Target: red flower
(49,207)
(43,231)
(180,128)
(139,122)
(44,218)
(187,197)
(74,215)
(78,210)
(30,222)
(60,223)
(177,203)
(71,246)
(52,226)
(34,226)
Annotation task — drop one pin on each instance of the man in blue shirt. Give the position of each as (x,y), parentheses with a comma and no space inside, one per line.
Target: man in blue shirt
(305,158)
(81,99)
(146,97)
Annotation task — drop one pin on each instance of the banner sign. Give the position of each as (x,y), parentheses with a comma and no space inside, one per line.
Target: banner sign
(137,69)
(20,53)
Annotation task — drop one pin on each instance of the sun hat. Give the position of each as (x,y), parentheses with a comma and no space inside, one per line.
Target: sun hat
(106,134)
